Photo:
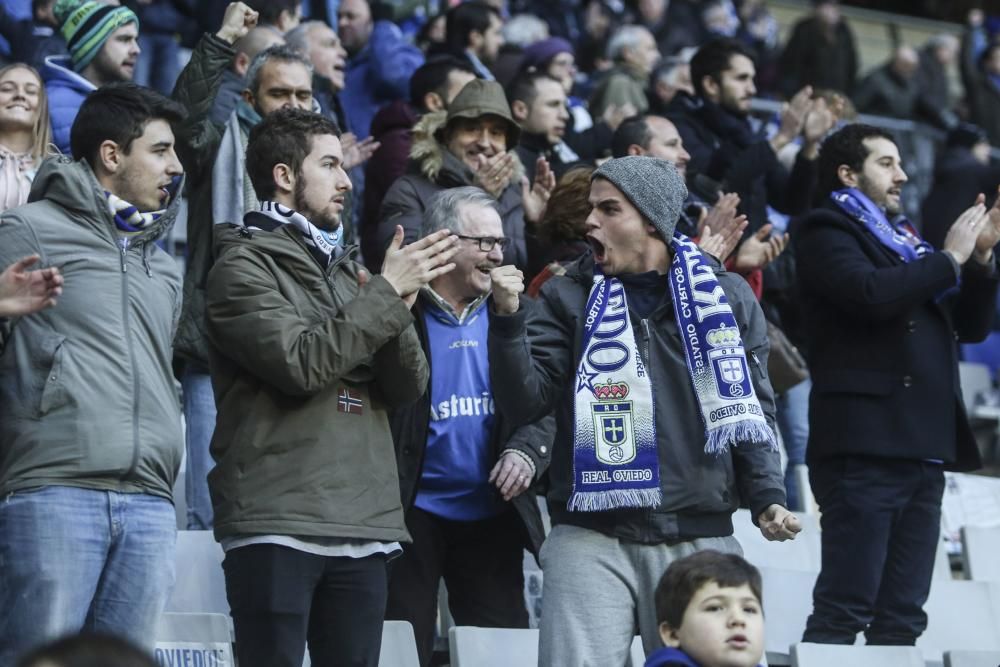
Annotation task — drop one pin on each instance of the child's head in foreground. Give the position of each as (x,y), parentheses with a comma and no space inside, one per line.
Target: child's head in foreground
(708,605)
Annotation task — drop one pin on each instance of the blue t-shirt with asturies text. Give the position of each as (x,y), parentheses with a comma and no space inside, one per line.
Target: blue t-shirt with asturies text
(454,481)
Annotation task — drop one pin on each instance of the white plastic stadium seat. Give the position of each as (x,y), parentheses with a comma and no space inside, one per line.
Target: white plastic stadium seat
(492,647)
(399,646)
(200,585)
(981,552)
(831,655)
(971,658)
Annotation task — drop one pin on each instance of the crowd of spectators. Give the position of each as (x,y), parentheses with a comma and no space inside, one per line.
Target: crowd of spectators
(434,165)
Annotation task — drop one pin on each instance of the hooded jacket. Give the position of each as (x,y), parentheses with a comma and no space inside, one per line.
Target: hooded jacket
(87,395)
(305,363)
(66,91)
(433,168)
(534,357)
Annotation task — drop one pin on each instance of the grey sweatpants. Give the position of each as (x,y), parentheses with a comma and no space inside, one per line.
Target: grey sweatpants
(595,591)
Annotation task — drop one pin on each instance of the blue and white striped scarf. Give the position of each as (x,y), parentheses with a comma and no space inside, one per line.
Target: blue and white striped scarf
(616,450)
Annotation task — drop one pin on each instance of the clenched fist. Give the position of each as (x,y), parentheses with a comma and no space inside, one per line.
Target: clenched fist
(508,284)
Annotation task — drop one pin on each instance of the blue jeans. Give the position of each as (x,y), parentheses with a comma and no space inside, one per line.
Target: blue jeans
(199,414)
(793,422)
(78,559)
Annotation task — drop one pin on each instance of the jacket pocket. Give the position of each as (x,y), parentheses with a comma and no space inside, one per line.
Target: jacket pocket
(54,393)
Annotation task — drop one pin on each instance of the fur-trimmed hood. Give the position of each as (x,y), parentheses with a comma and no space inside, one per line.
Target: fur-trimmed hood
(437,164)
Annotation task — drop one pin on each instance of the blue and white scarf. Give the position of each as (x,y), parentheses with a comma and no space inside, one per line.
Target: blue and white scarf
(128,219)
(898,237)
(616,452)
(322,244)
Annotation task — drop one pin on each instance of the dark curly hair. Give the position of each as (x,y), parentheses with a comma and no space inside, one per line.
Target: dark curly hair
(845,146)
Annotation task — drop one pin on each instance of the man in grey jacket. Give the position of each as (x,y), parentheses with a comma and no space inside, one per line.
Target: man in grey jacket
(636,482)
(90,437)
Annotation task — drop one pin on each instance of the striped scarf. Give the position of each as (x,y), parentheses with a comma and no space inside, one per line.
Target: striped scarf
(324,246)
(128,219)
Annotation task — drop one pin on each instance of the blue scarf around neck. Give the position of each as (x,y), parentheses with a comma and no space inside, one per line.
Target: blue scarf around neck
(898,237)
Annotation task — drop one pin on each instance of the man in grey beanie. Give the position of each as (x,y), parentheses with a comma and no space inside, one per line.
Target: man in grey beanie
(637,483)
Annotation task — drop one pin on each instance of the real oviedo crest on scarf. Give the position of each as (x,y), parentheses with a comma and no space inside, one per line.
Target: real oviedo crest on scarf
(729,363)
(613,424)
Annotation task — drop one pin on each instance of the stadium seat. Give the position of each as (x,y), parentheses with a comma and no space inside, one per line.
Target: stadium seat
(975,378)
(399,646)
(961,615)
(802,553)
(200,586)
(830,655)
(503,647)
(787,605)
(194,639)
(971,658)
(981,553)
(492,647)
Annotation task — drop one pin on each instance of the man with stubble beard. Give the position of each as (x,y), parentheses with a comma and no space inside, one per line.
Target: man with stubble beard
(308,352)
(103,48)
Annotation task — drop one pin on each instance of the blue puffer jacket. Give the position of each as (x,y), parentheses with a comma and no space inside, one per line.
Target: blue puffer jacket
(66,90)
(380,73)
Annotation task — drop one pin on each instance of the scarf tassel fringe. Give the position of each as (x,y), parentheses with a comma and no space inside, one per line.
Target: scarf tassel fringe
(602,501)
(745,433)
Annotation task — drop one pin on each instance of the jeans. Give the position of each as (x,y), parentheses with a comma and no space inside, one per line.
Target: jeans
(199,414)
(793,422)
(282,598)
(881,521)
(76,559)
(159,62)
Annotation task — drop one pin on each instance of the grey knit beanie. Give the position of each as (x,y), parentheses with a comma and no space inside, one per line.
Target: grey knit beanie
(652,185)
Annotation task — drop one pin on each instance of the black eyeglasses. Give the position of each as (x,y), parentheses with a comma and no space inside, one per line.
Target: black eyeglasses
(486,243)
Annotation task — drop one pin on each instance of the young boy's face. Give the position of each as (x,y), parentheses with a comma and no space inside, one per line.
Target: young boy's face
(722,627)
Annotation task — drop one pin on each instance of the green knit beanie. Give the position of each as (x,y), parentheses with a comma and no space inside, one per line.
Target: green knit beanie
(86,25)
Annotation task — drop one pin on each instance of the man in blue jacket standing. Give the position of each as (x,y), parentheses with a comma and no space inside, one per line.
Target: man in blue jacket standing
(103,48)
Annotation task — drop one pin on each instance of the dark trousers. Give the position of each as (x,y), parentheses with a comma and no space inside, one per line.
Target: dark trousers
(281,598)
(482,565)
(881,521)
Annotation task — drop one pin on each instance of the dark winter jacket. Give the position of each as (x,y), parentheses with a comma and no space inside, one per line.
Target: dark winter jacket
(306,362)
(815,57)
(534,357)
(726,148)
(882,349)
(392,127)
(432,168)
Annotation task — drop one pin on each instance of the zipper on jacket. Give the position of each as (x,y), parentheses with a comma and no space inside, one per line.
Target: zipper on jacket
(126,324)
(123,248)
(647,531)
(756,362)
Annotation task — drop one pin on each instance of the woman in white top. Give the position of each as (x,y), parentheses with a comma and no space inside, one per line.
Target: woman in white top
(25,132)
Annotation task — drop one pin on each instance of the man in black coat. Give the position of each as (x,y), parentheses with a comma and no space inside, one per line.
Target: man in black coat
(725,144)
(886,417)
